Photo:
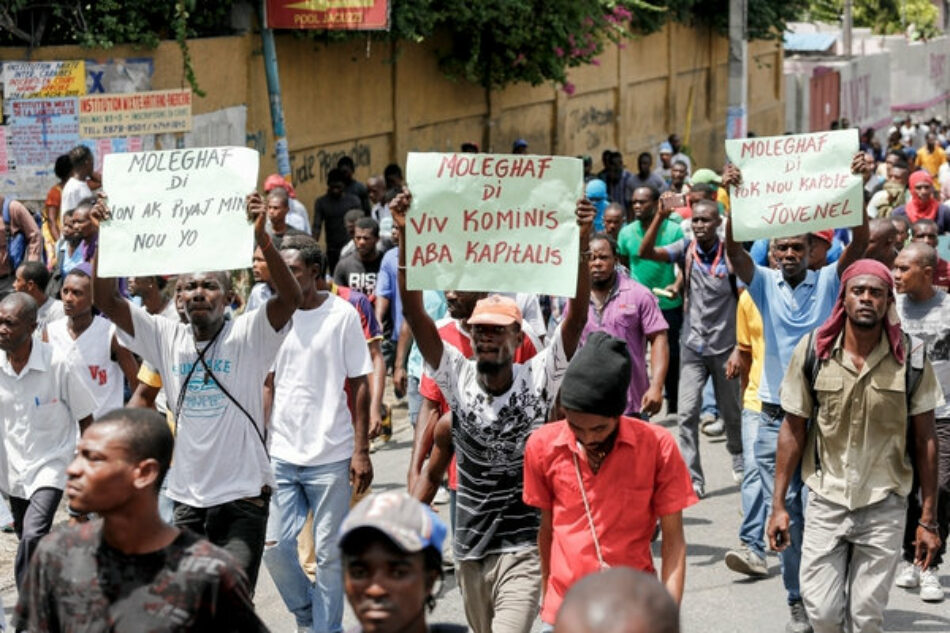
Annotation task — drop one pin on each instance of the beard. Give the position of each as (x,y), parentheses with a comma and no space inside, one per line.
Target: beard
(489,367)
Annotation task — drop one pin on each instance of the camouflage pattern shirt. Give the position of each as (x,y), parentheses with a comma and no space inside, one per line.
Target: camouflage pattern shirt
(80,584)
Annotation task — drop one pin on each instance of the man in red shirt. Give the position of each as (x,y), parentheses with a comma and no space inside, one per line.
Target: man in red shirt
(602,480)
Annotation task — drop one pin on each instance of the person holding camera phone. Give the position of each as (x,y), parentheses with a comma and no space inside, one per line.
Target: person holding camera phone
(709,327)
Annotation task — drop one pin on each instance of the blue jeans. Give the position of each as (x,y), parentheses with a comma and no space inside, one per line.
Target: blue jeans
(709,399)
(766,445)
(754,504)
(326,491)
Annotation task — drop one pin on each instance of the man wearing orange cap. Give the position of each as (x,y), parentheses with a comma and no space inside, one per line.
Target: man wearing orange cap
(496,403)
(297,216)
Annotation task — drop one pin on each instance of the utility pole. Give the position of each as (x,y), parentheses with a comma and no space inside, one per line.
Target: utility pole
(737,113)
(273,90)
(846,24)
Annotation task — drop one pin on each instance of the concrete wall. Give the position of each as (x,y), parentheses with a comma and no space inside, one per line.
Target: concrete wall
(354,99)
(865,96)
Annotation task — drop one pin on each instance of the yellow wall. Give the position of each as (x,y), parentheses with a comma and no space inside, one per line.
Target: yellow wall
(354,99)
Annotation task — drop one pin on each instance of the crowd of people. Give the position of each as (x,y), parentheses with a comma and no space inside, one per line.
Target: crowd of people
(222,426)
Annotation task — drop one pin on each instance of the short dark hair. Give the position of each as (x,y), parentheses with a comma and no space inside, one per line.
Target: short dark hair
(368,223)
(86,203)
(643,155)
(78,155)
(682,163)
(392,169)
(654,192)
(78,272)
(353,215)
(307,247)
(706,188)
(924,222)
(35,272)
(611,242)
(281,194)
(63,166)
(335,175)
(147,437)
(346,161)
(705,202)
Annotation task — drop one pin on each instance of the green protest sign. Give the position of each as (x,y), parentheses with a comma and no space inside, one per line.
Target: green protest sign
(495,223)
(795,184)
(177,211)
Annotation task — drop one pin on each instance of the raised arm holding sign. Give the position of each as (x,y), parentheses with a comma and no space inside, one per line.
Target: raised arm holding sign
(742,263)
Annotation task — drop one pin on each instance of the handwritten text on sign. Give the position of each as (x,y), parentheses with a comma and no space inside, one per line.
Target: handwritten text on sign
(177,211)
(795,184)
(493,223)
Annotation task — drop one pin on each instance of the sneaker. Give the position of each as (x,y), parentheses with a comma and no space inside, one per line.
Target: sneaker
(699,489)
(8,529)
(745,561)
(738,469)
(799,621)
(441,497)
(713,428)
(908,576)
(930,589)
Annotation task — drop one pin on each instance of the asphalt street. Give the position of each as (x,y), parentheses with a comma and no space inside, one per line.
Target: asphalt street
(716,600)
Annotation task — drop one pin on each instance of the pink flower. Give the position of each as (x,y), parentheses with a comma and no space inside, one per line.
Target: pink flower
(559,51)
(595,62)
(568,88)
(520,59)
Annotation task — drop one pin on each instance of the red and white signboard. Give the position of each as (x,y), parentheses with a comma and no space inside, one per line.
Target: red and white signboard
(352,15)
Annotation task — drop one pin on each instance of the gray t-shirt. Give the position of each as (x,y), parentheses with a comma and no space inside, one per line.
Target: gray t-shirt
(709,318)
(930,321)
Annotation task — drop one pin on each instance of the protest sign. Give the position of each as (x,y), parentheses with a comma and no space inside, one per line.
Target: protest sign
(31,80)
(135,114)
(41,130)
(501,223)
(793,185)
(177,211)
(3,150)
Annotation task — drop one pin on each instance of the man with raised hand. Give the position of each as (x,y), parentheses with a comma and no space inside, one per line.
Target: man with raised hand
(496,404)
(214,370)
(793,301)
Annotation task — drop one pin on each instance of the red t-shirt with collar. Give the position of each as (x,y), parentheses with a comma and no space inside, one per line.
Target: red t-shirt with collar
(643,478)
(452,334)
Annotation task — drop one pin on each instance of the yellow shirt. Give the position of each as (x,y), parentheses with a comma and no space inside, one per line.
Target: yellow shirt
(152,378)
(750,339)
(931,161)
(861,431)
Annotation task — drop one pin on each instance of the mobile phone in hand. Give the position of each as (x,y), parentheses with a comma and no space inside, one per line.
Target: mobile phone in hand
(674,201)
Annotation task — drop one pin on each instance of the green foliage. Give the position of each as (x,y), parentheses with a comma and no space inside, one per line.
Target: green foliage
(883,17)
(488,42)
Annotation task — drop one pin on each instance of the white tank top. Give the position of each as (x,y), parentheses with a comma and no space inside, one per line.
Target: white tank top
(92,352)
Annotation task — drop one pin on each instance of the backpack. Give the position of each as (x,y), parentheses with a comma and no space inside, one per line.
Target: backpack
(914,370)
(16,243)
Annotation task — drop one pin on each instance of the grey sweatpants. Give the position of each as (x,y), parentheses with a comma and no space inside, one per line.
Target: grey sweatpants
(694,370)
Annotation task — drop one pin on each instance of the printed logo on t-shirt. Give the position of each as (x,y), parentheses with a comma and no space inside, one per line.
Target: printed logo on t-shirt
(204,398)
(364,282)
(99,374)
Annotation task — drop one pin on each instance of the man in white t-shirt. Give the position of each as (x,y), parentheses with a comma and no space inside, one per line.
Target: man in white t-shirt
(496,404)
(32,278)
(318,449)
(92,341)
(214,370)
(81,181)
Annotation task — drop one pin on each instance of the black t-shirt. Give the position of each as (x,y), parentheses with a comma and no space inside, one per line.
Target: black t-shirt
(79,584)
(354,273)
(328,215)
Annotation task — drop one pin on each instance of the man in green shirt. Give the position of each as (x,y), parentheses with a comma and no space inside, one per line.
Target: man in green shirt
(663,278)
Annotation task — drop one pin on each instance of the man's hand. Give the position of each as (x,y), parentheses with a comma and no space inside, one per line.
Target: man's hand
(860,164)
(100,210)
(375,423)
(361,472)
(778,529)
(652,401)
(257,213)
(585,216)
(731,176)
(734,364)
(666,206)
(399,207)
(926,546)
(400,381)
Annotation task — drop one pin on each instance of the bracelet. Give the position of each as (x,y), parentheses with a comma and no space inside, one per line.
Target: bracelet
(402,267)
(930,527)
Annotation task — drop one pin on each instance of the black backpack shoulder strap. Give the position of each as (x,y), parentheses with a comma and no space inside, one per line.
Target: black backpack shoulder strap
(811,367)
